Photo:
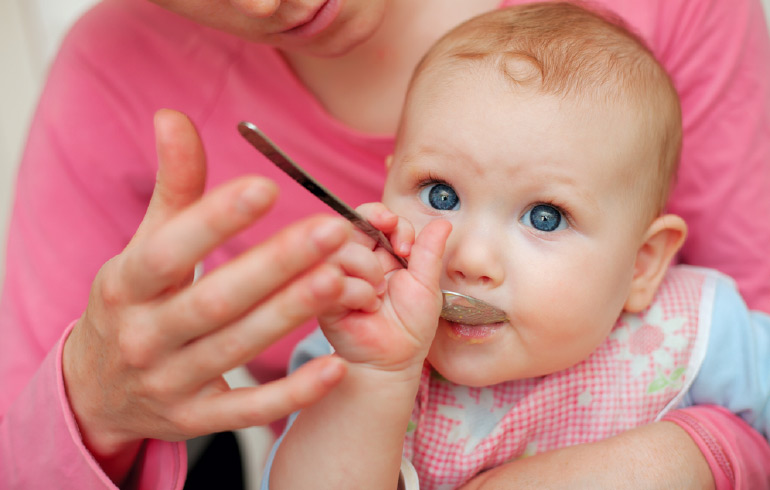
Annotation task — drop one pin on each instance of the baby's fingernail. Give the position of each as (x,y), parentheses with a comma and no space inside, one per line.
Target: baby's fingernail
(382,287)
(404,248)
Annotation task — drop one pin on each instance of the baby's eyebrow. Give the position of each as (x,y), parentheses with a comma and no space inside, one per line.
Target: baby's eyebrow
(436,156)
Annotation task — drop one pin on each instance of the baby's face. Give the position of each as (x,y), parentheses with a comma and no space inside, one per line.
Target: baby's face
(544,213)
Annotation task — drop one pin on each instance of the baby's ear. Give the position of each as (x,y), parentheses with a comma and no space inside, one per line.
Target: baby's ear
(663,238)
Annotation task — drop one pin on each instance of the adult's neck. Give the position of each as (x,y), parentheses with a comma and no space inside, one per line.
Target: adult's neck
(365,87)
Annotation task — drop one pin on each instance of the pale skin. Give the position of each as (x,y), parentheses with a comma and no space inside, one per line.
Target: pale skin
(359,71)
(601,259)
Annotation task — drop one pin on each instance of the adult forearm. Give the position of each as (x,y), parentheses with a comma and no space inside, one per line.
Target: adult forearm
(655,456)
(40,445)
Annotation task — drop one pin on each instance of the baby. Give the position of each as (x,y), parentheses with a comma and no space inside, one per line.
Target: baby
(547,136)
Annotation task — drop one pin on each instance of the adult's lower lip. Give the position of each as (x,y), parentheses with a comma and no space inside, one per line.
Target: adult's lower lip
(473,334)
(322,19)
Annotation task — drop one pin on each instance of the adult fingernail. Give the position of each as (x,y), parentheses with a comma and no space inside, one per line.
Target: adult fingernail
(254,196)
(333,370)
(328,231)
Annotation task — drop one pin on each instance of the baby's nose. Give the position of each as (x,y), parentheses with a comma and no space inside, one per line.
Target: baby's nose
(474,258)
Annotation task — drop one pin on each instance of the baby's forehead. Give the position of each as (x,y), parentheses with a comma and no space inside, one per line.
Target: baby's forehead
(616,126)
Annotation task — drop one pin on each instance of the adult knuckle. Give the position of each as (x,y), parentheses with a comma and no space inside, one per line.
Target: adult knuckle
(161,260)
(157,386)
(283,254)
(213,306)
(135,347)
(184,420)
(232,346)
(109,286)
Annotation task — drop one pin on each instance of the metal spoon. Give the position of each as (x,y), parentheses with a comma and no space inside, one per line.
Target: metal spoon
(458,308)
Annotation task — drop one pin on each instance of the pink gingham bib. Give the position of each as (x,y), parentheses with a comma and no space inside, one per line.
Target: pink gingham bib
(640,371)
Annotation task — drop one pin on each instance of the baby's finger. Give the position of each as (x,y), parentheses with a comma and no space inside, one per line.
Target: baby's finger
(378,215)
(402,237)
(360,295)
(399,230)
(425,263)
(357,260)
(260,405)
(357,296)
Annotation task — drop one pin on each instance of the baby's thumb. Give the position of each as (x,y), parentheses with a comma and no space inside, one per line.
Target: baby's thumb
(181,176)
(426,259)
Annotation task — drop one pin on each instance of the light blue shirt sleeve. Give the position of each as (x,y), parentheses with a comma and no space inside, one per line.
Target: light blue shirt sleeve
(735,373)
(312,346)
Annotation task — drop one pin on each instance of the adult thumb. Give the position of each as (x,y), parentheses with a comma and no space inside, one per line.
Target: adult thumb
(181,176)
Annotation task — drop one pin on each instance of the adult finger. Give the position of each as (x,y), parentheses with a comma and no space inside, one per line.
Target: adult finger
(166,257)
(240,285)
(248,407)
(209,356)
(181,175)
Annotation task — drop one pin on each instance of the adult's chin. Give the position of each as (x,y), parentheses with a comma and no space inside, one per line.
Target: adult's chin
(351,29)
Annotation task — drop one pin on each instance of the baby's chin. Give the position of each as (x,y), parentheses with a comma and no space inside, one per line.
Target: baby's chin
(482,366)
(476,377)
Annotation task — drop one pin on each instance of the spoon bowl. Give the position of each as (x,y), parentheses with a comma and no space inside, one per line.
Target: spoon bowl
(467,310)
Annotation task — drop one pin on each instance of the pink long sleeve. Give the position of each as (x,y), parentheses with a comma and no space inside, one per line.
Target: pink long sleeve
(738,456)
(41,446)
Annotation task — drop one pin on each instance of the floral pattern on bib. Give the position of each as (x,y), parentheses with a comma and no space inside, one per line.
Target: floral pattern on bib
(631,379)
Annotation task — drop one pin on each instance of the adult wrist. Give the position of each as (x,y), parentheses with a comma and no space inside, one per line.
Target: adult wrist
(114,453)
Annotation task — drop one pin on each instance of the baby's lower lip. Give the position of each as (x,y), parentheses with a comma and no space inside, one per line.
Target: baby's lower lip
(473,334)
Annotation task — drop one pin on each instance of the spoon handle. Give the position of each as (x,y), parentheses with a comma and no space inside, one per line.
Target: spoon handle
(263,144)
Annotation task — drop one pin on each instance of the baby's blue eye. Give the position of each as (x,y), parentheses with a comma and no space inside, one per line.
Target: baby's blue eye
(544,217)
(440,196)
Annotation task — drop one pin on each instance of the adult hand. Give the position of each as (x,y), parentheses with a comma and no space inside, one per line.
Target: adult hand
(146,358)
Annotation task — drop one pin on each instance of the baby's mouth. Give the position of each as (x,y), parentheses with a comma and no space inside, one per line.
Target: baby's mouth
(473,334)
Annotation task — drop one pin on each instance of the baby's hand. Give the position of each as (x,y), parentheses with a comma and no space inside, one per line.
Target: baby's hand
(393,330)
